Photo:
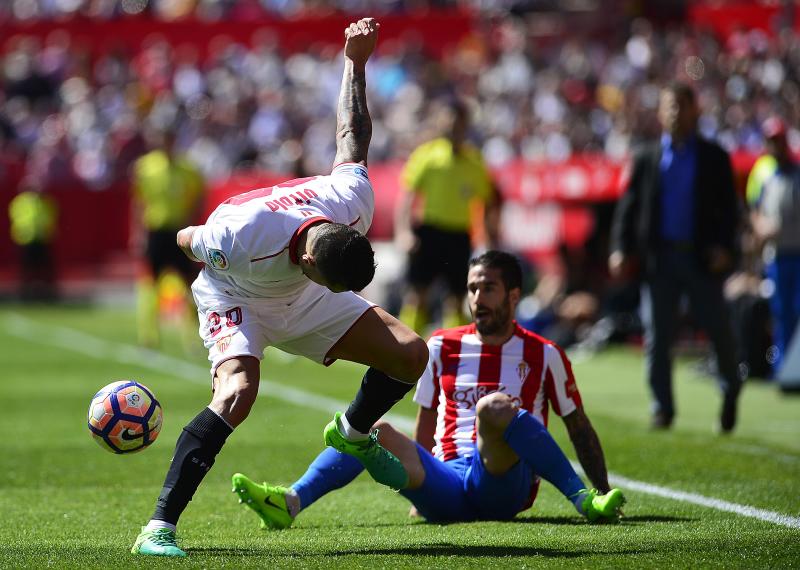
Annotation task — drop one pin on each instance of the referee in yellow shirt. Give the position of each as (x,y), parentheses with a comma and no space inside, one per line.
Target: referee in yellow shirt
(34,220)
(168,190)
(444,178)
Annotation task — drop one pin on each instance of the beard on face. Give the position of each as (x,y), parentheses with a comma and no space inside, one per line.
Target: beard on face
(497,319)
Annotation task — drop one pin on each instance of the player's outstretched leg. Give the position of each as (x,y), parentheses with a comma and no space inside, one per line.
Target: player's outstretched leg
(197,447)
(330,470)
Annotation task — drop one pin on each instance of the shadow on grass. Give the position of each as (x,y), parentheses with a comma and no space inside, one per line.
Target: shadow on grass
(577,521)
(226,551)
(655,518)
(444,549)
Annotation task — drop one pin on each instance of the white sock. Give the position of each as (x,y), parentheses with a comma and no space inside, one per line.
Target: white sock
(577,500)
(293,503)
(154,524)
(349,432)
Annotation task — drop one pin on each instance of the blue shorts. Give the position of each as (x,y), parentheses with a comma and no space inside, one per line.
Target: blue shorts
(462,490)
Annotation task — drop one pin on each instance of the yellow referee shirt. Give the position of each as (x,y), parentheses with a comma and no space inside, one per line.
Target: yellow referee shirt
(169,191)
(33,218)
(448,183)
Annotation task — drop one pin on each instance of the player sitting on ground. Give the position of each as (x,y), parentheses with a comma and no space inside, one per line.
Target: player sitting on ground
(484,404)
(280,267)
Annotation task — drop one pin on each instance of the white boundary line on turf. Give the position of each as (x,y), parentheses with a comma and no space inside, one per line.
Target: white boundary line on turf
(77,341)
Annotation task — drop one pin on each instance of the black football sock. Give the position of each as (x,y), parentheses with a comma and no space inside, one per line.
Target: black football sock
(378,393)
(197,446)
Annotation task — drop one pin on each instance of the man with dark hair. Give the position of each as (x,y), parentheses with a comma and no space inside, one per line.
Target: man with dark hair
(344,257)
(481,438)
(280,267)
(678,221)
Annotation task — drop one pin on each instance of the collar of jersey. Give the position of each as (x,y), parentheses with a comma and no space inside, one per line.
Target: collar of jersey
(296,235)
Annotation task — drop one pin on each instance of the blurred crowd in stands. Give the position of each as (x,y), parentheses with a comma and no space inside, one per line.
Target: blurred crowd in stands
(72,115)
(213,10)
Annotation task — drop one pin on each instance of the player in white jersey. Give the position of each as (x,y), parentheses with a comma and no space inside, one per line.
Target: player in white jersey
(481,438)
(280,268)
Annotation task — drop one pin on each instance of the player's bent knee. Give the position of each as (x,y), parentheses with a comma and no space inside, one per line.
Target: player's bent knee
(496,409)
(383,425)
(386,432)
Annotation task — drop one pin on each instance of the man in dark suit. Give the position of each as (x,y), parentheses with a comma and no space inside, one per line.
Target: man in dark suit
(678,224)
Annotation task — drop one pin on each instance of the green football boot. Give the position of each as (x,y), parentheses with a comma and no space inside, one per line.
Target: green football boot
(157,542)
(379,462)
(268,501)
(603,508)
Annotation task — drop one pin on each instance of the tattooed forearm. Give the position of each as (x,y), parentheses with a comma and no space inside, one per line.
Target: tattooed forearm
(587,447)
(354,126)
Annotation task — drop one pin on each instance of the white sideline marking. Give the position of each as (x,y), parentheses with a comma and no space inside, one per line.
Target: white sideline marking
(77,341)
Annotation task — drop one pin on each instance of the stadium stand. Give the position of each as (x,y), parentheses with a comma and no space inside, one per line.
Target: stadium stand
(560,99)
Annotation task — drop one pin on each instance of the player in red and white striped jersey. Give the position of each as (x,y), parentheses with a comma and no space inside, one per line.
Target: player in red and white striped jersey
(462,369)
(481,441)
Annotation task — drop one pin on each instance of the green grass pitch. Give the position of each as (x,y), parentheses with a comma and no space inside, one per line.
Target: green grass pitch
(65,503)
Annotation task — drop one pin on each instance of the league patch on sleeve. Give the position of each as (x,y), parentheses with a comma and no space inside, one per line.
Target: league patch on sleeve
(217,259)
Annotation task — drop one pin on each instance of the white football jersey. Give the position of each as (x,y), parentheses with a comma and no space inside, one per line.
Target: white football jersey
(248,242)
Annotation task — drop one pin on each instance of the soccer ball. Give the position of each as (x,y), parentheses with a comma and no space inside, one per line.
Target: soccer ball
(124,417)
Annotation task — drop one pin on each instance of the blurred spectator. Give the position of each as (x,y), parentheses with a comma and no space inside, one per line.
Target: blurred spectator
(34,217)
(776,224)
(679,218)
(445,177)
(168,189)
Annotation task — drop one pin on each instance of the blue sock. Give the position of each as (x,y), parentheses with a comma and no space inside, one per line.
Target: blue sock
(331,470)
(529,439)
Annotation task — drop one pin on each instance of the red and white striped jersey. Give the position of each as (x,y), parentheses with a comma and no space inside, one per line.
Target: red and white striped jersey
(248,242)
(461,370)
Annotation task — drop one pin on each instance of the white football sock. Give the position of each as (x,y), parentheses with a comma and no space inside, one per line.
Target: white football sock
(293,503)
(349,432)
(154,524)
(578,499)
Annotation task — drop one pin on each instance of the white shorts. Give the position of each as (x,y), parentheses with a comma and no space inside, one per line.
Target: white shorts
(308,323)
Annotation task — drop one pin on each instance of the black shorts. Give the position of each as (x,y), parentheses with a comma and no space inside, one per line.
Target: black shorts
(163,253)
(440,253)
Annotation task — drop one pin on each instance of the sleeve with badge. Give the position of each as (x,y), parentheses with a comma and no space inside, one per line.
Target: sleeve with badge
(215,243)
(354,203)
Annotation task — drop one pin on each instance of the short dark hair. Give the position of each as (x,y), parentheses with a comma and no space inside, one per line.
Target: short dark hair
(343,256)
(509,266)
(681,90)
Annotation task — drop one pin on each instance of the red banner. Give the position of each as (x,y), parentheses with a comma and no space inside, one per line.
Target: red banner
(730,17)
(435,31)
